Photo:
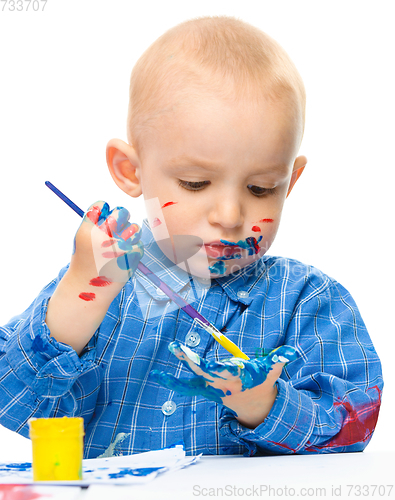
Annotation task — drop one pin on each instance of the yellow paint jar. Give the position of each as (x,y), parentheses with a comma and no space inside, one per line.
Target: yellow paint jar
(58,446)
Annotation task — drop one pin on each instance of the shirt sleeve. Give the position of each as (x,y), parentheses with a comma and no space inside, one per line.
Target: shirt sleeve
(36,370)
(329,399)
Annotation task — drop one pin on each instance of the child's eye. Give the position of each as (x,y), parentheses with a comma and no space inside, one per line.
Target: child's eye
(193,186)
(260,191)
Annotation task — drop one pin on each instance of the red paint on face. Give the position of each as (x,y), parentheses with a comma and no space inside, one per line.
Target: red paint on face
(87,296)
(358,425)
(18,492)
(169,203)
(100,281)
(257,229)
(108,243)
(266,220)
(156,222)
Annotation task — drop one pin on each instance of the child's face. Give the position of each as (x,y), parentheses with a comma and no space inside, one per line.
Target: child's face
(220,172)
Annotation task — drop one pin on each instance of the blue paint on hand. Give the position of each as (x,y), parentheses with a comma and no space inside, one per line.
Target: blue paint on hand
(251,373)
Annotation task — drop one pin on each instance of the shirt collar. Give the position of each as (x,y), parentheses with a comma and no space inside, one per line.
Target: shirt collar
(239,286)
(157,262)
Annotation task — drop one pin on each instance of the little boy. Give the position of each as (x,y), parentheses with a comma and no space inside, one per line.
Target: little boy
(216,119)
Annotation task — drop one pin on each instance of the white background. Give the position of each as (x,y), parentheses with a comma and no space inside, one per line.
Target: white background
(64,94)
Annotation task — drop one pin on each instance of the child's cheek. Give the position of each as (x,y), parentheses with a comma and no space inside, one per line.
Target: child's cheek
(158,213)
(261,223)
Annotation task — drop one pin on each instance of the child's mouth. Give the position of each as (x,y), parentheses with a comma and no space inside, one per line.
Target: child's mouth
(224,250)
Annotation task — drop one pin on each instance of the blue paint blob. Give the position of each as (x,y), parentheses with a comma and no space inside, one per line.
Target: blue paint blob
(127,471)
(217,267)
(16,467)
(251,373)
(250,244)
(38,345)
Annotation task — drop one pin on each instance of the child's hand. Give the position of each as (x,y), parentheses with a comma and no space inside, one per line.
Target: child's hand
(246,387)
(107,250)
(107,247)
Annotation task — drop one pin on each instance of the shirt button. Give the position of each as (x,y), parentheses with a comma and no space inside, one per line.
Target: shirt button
(160,292)
(192,339)
(168,408)
(242,294)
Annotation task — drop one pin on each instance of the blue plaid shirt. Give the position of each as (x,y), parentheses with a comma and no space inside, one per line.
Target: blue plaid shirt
(328,400)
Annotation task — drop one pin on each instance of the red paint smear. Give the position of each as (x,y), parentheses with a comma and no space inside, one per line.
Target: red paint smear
(109,226)
(156,222)
(100,281)
(129,231)
(169,203)
(19,492)
(358,425)
(94,214)
(257,229)
(282,445)
(87,296)
(108,243)
(266,220)
(112,255)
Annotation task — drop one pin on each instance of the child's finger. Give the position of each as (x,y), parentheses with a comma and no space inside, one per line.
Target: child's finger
(209,370)
(97,210)
(130,259)
(282,354)
(130,236)
(186,387)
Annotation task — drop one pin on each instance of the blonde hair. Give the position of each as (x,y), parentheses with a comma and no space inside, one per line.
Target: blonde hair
(221,57)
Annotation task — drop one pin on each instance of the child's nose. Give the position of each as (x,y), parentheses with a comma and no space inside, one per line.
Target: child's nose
(227,212)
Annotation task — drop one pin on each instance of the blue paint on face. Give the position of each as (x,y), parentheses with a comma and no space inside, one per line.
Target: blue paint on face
(217,268)
(250,244)
(251,373)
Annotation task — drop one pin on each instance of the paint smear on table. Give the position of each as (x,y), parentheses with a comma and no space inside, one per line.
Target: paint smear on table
(138,468)
(19,492)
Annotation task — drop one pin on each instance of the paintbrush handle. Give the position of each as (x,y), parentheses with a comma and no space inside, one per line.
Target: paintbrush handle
(201,320)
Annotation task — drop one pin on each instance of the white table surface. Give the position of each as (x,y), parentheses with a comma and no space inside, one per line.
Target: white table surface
(241,477)
(343,475)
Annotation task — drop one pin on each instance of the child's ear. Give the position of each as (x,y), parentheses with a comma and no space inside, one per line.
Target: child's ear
(299,165)
(124,166)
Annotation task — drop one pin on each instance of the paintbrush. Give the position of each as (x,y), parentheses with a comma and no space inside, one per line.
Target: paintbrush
(201,320)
